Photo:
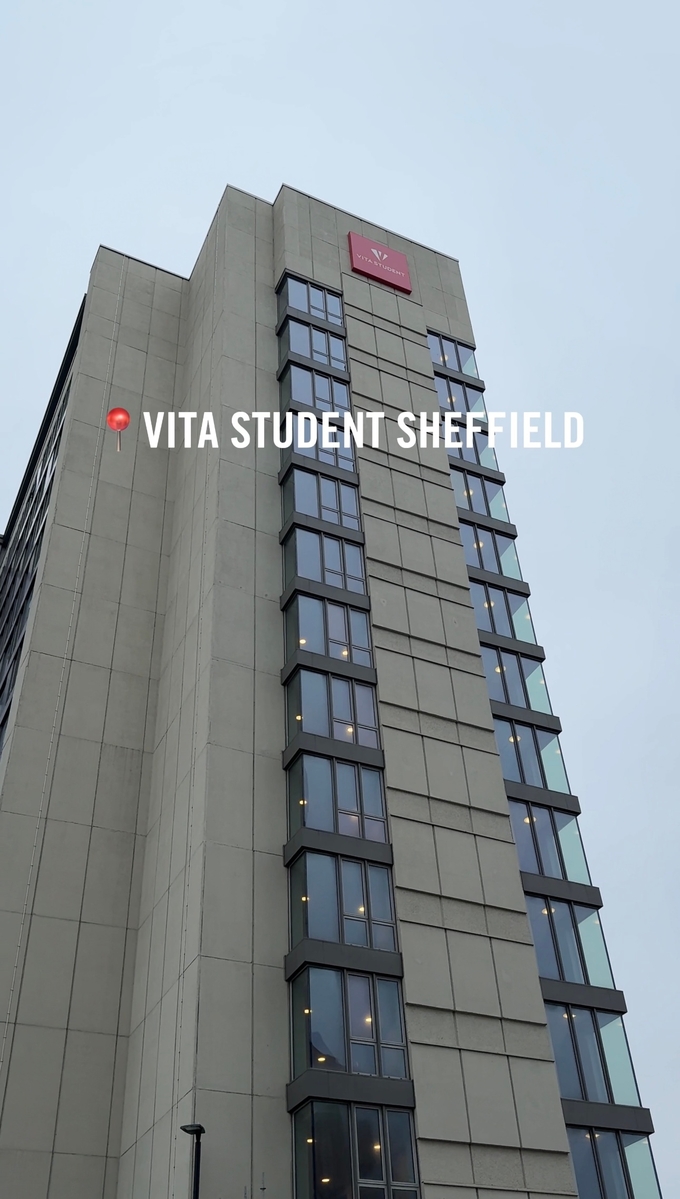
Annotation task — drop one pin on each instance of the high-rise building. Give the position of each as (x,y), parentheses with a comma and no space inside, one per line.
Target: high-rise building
(280,778)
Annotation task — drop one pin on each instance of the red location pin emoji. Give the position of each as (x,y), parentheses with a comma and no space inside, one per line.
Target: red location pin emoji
(118,419)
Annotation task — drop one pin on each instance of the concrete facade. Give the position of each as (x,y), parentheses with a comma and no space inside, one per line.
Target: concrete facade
(143,892)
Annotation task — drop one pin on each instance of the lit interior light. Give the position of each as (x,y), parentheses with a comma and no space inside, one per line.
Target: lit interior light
(302,802)
(305,898)
(325,1179)
(527,819)
(377,1148)
(345,653)
(303,641)
(350,728)
(321,1059)
(362,910)
(298,718)
(308,1011)
(368,1019)
(499,669)
(310,1140)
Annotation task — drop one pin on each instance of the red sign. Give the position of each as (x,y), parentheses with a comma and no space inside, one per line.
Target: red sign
(379,262)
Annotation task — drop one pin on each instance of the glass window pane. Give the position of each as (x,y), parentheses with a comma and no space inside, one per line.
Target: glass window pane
(363,1058)
(374,830)
(310,625)
(356,931)
(331,554)
(298,900)
(304,1153)
(571,845)
(572,970)
(354,561)
(342,704)
(481,606)
(640,1166)
(333,308)
(469,540)
(383,937)
(319,346)
(521,618)
(486,455)
(317,303)
(441,385)
(459,484)
(365,704)
(486,545)
(337,352)
(543,941)
(322,392)
(348,824)
(402,1167)
(372,792)
(332,1151)
(327,1031)
(475,400)
(547,848)
(496,498)
(369,1144)
(297,295)
(317,797)
(347,787)
(450,355)
(379,891)
(583,1157)
(393,1062)
(617,1057)
(360,1007)
(589,1053)
(359,628)
(322,898)
(314,703)
(536,688)
(508,556)
(337,622)
(494,674)
(563,1051)
(389,1012)
(435,347)
(476,494)
(353,899)
(340,395)
(299,338)
(609,1155)
(499,612)
(308,554)
(349,502)
(551,757)
(513,679)
(594,948)
(300,1008)
(521,821)
(301,385)
(507,748)
(467,361)
(527,752)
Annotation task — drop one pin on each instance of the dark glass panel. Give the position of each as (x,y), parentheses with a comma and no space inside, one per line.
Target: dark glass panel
(521,821)
(298,336)
(499,611)
(301,385)
(513,679)
(469,540)
(314,703)
(304,1153)
(589,1054)
(481,606)
(402,1167)
(583,1157)
(360,1007)
(435,348)
(326,1022)
(332,1152)
(486,545)
(547,848)
(322,898)
(527,751)
(494,674)
(559,1022)
(301,1011)
(380,893)
(306,494)
(543,940)
(308,554)
(507,748)
(389,1012)
(572,969)
(611,1166)
(369,1144)
(310,625)
(372,792)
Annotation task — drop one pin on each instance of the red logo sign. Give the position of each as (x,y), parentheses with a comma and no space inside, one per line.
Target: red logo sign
(379,262)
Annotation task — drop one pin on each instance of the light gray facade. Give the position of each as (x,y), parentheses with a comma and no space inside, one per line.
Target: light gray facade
(144,898)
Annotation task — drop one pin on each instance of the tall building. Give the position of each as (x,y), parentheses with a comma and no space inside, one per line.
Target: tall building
(275,735)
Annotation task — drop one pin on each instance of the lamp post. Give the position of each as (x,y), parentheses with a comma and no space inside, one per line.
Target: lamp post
(195,1130)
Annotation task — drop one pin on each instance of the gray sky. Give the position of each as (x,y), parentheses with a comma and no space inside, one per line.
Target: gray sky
(537,143)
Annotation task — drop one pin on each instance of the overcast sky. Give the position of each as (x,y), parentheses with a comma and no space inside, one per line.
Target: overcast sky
(537,143)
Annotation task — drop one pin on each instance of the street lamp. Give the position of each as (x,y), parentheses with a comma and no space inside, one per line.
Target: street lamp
(195,1130)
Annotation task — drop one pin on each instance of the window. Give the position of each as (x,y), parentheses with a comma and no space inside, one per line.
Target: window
(307,297)
(329,706)
(312,343)
(343,1152)
(339,899)
(340,455)
(349,1022)
(336,797)
(592,1055)
(452,354)
(514,679)
(502,612)
(326,499)
(459,397)
(489,550)
(548,842)
(321,627)
(479,495)
(478,450)
(612,1165)
(569,942)
(325,559)
(309,387)
(529,755)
